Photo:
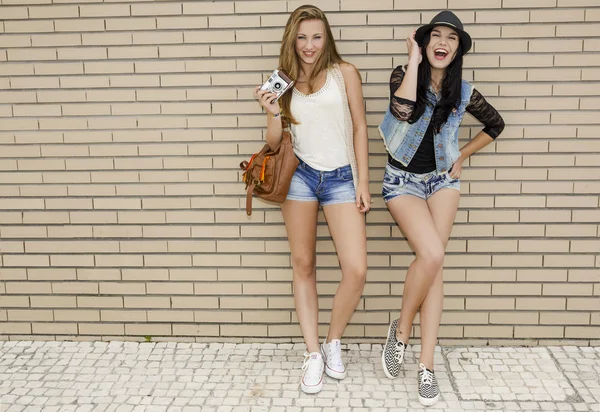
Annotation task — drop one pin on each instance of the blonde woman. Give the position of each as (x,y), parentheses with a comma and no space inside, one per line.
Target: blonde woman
(325,112)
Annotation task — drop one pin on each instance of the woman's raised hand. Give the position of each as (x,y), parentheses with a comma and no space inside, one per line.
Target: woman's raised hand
(414,51)
(264,98)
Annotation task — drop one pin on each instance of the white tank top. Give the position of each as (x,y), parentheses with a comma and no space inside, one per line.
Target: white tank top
(319,138)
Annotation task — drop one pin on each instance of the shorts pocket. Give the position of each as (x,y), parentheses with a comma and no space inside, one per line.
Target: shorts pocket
(450,179)
(391,179)
(346,175)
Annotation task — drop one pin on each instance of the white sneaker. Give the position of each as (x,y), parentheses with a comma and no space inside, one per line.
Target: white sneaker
(332,354)
(312,378)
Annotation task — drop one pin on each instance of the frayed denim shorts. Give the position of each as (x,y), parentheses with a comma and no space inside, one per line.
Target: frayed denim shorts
(327,188)
(398,182)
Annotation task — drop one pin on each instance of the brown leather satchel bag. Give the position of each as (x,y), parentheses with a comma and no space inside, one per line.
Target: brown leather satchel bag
(268,173)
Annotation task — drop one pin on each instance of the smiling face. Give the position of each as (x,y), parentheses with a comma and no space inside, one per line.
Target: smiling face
(310,40)
(442,47)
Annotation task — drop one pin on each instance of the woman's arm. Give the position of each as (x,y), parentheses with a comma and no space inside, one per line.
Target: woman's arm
(359,122)
(274,124)
(408,88)
(493,123)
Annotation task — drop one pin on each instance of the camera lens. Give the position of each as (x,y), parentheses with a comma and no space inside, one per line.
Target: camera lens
(277,86)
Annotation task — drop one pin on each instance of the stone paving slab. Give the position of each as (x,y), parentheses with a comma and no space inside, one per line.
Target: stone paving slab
(216,377)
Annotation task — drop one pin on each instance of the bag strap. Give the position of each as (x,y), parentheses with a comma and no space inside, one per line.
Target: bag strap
(249,193)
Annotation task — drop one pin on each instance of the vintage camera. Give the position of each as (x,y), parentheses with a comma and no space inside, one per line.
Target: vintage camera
(278,83)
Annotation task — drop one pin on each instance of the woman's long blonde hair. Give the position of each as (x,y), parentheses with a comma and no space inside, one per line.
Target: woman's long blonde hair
(289,61)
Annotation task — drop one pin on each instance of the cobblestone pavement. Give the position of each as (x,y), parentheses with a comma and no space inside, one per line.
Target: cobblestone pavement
(216,377)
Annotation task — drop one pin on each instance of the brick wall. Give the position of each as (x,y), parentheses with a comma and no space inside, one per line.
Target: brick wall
(122,125)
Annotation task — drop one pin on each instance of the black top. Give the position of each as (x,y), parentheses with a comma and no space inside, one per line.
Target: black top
(424,158)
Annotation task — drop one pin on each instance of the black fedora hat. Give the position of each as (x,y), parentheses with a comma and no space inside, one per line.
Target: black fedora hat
(448,19)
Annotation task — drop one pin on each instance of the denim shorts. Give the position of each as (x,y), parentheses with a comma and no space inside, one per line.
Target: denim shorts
(397,182)
(328,188)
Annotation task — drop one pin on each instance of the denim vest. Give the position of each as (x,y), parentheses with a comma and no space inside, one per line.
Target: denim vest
(402,138)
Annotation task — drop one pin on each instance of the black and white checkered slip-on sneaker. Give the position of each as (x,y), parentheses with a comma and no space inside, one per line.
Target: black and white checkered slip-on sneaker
(429,391)
(392,356)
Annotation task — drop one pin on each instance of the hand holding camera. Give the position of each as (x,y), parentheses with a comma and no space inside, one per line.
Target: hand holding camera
(266,100)
(268,94)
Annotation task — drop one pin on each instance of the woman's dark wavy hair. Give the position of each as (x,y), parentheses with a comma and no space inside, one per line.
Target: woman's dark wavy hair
(451,87)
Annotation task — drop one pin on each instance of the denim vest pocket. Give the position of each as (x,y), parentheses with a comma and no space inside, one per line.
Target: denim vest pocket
(393,132)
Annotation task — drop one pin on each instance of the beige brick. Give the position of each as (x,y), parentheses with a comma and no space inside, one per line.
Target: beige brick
(157,38)
(104,10)
(555,45)
(584,60)
(517,260)
(170,316)
(243,302)
(495,188)
(194,302)
(12,328)
(583,304)
(492,246)
(545,16)
(130,24)
(561,318)
(551,103)
(553,75)
(473,290)
(517,289)
(528,3)
(143,246)
(101,329)
(547,187)
(222,50)
(196,330)
(76,315)
(504,16)
(529,30)
(539,331)
(246,331)
(490,275)
(170,288)
(13,274)
(589,332)
(571,260)
(493,216)
(79,25)
(32,26)
(432,4)
(26,260)
(576,30)
(512,318)
(570,230)
(563,289)
(156,9)
(53,301)
(46,40)
(138,52)
(197,22)
(54,328)
(488,331)
(585,246)
(14,301)
(545,216)
(123,316)
(490,303)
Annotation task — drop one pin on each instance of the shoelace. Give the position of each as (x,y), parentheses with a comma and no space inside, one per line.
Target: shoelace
(334,354)
(426,377)
(399,352)
(306,366)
